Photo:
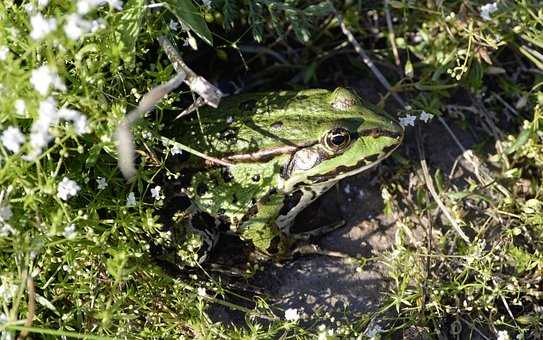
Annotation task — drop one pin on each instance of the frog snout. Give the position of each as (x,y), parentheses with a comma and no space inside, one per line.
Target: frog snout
(380,128)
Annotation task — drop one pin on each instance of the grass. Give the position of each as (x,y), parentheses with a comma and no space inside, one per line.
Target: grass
(78,264)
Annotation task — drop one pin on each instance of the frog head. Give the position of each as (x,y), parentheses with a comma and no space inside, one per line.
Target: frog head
(350,138)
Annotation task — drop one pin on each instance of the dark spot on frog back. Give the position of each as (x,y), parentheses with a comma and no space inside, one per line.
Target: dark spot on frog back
(290,201)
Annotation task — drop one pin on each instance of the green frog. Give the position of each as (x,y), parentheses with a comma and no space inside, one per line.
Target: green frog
(267,157)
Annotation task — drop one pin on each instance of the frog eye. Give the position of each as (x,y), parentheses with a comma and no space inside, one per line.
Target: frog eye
(337,139)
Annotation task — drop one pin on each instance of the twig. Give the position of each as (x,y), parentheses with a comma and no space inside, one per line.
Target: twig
(31,307)
(209,95)
(125,142)
(391,35)
(430,186)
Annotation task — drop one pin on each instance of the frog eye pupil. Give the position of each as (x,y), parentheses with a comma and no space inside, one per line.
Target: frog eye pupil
(337,138)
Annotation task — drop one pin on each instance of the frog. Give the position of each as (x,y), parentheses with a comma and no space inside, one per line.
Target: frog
(253,164)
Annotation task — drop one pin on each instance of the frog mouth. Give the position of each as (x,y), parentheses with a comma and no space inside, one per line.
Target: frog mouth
(364,164)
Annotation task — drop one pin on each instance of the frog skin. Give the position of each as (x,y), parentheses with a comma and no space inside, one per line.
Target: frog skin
(269,155)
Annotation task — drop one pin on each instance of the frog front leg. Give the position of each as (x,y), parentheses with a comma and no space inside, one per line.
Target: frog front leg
(259,225)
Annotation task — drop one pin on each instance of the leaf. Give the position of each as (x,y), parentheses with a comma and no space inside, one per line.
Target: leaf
(129,27)
(47,304)
(190,15)
(521,140)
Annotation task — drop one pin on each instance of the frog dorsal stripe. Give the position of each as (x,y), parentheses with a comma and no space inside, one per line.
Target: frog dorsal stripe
(266,154)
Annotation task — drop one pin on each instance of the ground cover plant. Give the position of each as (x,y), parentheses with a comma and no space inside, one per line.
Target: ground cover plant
(76,237)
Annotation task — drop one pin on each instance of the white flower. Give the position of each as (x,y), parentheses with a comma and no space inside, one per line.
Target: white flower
(408,120)
(131,200)
(102,183)
(5,213)
(43,3)
(155,192)
(425,116)
(39,133)
(116,4)
(4,50)
(201,292)
(8,290)
(503,335)
(97,24)
(20,107)
(29,8)
(41,26)
(69,231)
(488,9)
(45,77)
(12,138)
(6,230)
(207,3)
(176,150)
(291,314)
(174,25)
(67,188)
(78,119)
(76,26)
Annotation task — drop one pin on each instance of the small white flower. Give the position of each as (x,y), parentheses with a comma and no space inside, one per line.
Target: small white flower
(43,3)
(102,183)
(97,24)
(45,77)
(291,314)
(20,107)
(229,120)
(155,192)
(176,150)
(4,50)
(207,3)
(6,230)
(174,25)
(373,331)
(131,200)
(80,124)
(201,292)
(12,138)
(503,335)
(67,188)
(408,120)
(488,9)
(41,26)
(76,26)
(8,290)
(69,231)
(29,8)
(78,119)
(116,4)
(425,116)
(5,213)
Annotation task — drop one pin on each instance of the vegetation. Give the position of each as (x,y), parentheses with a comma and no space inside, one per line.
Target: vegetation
(74,235)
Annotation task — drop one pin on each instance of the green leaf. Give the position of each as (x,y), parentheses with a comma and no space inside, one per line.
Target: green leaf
(190,15)
(129,28)
(47,304)
(521,140)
